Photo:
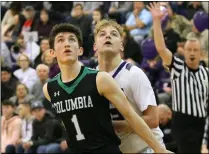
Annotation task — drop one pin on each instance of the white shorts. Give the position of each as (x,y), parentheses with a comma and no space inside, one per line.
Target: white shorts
(150,150)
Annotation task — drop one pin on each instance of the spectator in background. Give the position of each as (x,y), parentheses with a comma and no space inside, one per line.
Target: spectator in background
(51,62)
(30,19)
(153,67)
(193,7)
(180,24)
(8,83)
(10,127)
(24,112)
(42,71)
(44,140)
(139,22)
(98,15)
(44,46)
(6,55)
(118,11)
(22,95)
(10,20)
(31,49)
(25,74)
(171,37)
(132,52)
(89,7)
(44,24)
(81,20)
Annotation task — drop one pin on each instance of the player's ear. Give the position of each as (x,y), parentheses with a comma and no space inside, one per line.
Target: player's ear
(52,52)
(121,47)
(81,50)
(94,47)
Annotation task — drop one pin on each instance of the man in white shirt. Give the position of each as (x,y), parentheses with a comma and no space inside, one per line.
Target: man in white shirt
(26,74)
(134,83)
(24,111)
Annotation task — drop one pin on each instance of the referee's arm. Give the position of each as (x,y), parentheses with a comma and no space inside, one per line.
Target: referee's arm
(163,51)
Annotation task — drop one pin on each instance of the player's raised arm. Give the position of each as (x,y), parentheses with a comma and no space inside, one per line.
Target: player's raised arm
(163,51)
(109,89)
(46,92)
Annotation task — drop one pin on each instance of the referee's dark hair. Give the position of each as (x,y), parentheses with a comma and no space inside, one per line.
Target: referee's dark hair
(65,27)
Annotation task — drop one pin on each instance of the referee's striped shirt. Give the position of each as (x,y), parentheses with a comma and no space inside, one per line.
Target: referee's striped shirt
(189,88)
(205,137)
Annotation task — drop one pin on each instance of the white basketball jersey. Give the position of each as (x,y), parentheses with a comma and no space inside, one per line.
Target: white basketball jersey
(137,88)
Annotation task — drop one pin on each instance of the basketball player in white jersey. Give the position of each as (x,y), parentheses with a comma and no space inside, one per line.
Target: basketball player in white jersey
(134,83)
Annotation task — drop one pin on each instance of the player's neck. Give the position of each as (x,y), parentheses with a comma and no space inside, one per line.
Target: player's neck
(70,72)
(108,63)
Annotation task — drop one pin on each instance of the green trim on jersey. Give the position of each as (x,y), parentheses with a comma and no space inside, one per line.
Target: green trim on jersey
(70,89)
(54,78)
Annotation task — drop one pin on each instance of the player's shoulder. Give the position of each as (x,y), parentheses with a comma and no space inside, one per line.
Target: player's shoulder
(91,70)
(54,78)
(134,71)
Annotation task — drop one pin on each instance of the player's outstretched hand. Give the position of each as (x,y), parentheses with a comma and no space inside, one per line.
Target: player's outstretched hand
(155,10)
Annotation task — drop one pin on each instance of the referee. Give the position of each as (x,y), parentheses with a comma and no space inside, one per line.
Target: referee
(189,81)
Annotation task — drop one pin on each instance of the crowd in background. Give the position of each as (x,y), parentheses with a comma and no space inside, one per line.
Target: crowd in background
(27,66)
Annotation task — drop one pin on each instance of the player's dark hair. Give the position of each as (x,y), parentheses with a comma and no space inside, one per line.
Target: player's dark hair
(65,27)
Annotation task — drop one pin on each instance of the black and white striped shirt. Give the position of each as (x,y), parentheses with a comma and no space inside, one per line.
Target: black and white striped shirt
(189,88)
(205,137)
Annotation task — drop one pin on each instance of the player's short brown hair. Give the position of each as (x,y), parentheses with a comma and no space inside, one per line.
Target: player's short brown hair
(105,23)
(65,27)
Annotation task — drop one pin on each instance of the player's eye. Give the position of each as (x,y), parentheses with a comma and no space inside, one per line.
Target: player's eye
(71,39)
(102,34)
(114,34)
(60,40)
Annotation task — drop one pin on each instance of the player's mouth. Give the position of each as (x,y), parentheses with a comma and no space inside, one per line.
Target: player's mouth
(107,43)
(67,51)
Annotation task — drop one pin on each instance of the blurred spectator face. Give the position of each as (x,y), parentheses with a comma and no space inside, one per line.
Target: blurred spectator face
(44,16)
(196,4)
(48,59)
(138,6)
(39,113)
(5,76)
(152,63)
(78,11)
(20,41)
(23,62)
(42,72)
(7,110)
(168,7)
(192,51)
(21,91)
(44,45)
(23,110)
(29,14)
(97,16)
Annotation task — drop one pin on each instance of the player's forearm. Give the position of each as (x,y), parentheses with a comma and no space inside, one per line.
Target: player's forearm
(122,126)
(141,128)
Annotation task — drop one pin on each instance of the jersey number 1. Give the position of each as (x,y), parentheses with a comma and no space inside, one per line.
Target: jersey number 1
(79,135)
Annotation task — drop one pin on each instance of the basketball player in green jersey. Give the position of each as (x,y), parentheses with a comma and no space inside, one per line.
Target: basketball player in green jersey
(81,98)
